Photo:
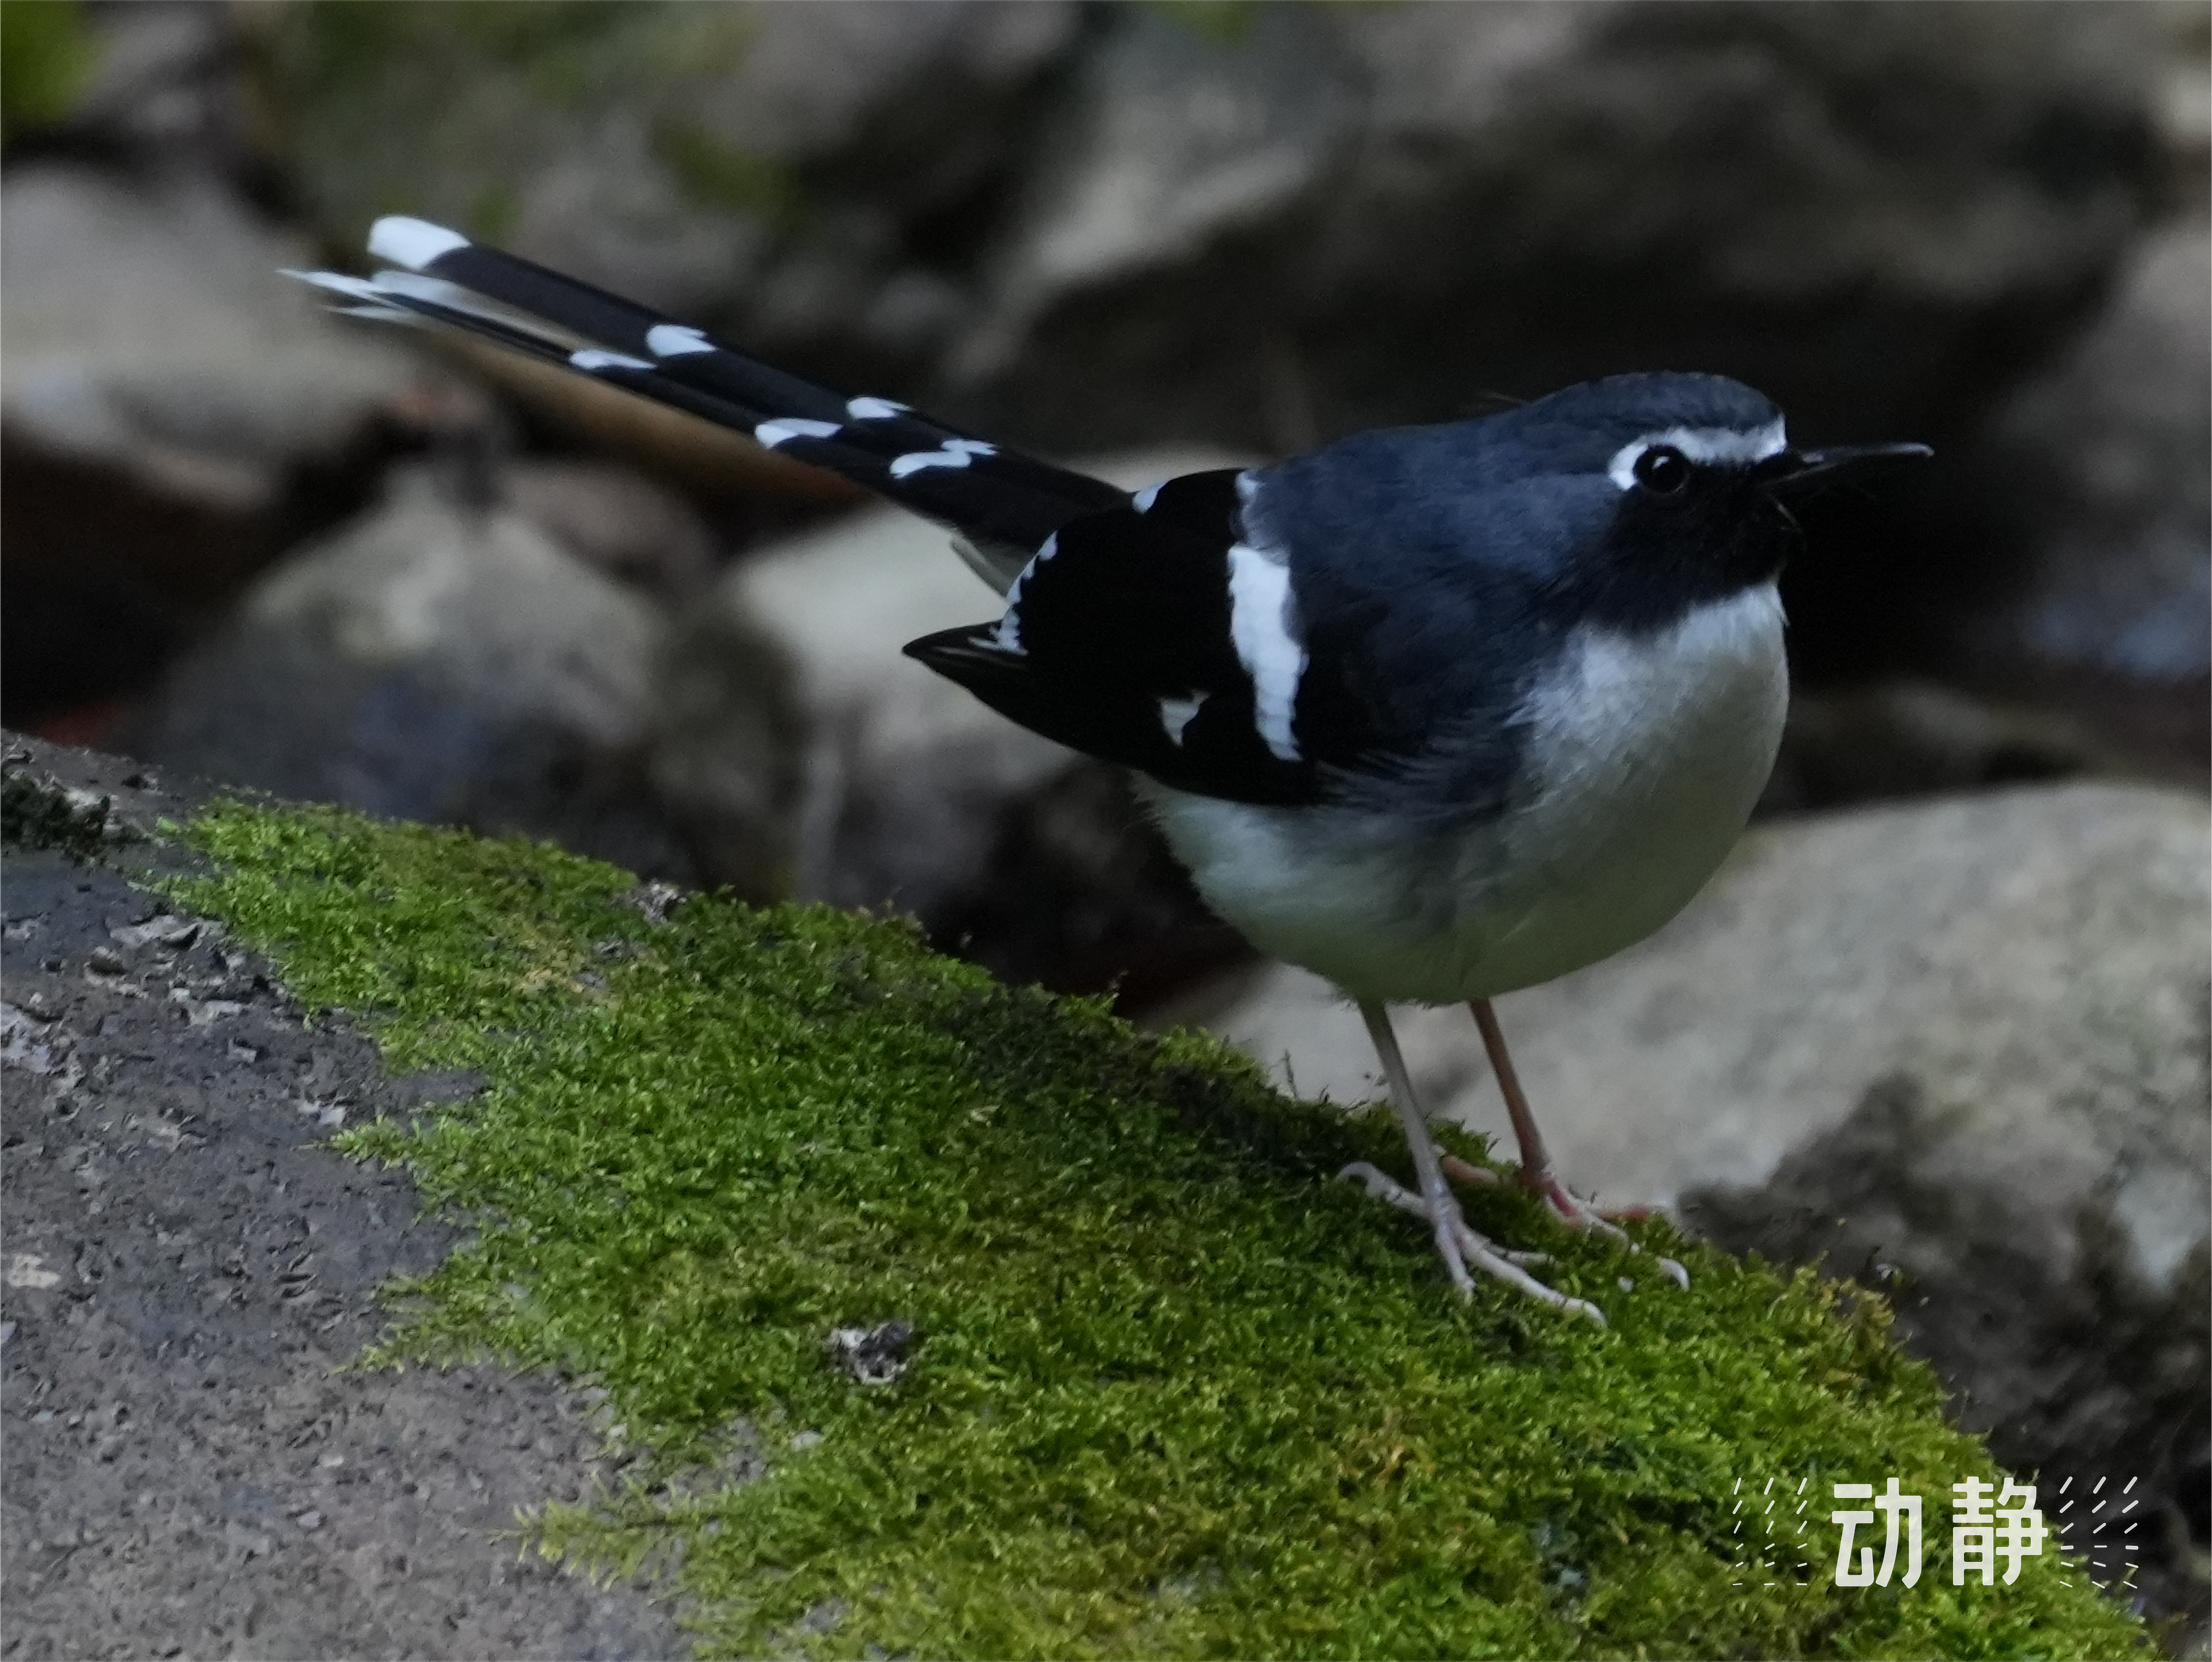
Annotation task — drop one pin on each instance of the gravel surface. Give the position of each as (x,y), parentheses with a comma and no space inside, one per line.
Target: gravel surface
(189,1466)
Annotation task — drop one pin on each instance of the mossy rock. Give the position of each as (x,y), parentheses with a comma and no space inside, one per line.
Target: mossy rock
(1172,1388)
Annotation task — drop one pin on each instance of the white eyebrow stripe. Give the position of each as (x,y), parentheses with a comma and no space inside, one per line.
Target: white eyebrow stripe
(1701,444)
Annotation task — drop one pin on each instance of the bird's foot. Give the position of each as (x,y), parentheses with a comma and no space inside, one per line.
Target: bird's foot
(1463,1249)
(1569,1208)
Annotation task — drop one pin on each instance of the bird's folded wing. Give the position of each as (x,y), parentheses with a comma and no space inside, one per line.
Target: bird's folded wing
(1155,635)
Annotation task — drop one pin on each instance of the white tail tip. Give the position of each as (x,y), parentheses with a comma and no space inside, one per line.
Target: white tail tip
(412,243)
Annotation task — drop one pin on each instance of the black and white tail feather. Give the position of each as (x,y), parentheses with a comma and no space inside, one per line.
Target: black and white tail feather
(1146,629)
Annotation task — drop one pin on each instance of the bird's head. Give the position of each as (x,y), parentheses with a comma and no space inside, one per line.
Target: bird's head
(1675,488)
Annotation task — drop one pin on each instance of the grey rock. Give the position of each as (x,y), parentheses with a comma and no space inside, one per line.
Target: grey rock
(149,331)
(638,532)
(1261,225)
(1957,1050)
(189,1461)
(168,413)
(2185,105)
(164,87)
(875,1355)
(437,662)
(688,155)
(1336,217)
(2096,470)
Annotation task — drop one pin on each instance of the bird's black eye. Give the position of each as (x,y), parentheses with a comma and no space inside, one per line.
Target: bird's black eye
(1663,469)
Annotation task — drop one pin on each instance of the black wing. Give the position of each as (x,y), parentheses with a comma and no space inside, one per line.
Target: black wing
(1123,640)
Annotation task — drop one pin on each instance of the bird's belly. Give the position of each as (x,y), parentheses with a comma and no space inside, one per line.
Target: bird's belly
(1645,761)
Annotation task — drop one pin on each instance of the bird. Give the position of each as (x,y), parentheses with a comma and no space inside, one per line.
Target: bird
(1437,712)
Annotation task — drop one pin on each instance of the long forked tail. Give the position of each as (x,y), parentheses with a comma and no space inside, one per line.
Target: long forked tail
(1002,502)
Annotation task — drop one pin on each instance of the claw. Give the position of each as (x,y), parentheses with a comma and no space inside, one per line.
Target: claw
(1571,1209)
(1467,1248)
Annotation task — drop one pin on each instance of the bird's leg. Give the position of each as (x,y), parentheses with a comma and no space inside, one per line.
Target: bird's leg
(1457,1244)
(1536,1174)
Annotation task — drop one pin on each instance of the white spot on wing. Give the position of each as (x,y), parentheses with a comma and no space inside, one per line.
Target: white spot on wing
(1702,444)
(411,242)
(1260,629)
(773,433)
(1177,713)
(593,358)
(952,453)
(1144,499)
(673,340)
(873,409)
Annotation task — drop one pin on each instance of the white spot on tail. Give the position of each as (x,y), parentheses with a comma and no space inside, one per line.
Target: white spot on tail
(874,409)
(1177,713)
(593,358)
(773,433)
(673,340)
(413,243)
(1260,627)
(1144,499)
(952,453)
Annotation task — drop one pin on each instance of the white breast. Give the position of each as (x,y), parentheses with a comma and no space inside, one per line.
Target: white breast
(1644,759)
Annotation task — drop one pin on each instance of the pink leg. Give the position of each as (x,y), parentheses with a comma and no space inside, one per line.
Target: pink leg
(1536,1174)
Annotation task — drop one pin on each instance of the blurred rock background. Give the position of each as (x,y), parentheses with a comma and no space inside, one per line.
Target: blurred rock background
(241,539)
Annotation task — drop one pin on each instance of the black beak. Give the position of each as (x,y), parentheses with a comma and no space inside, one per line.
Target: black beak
(1795,470)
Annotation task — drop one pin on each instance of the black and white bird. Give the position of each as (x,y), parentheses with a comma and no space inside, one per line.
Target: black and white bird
(1435,712)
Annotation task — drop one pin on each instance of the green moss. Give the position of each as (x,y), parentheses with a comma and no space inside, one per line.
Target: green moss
(1176,1392)
(47,54)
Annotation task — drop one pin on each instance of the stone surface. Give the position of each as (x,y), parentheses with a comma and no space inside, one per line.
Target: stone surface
(171,412)
(1406,207)
(188,1464)
(2096,469)
(1261,225)
(900,788)
(437,661)
(700,158)
(638,532)
(1958,1048)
